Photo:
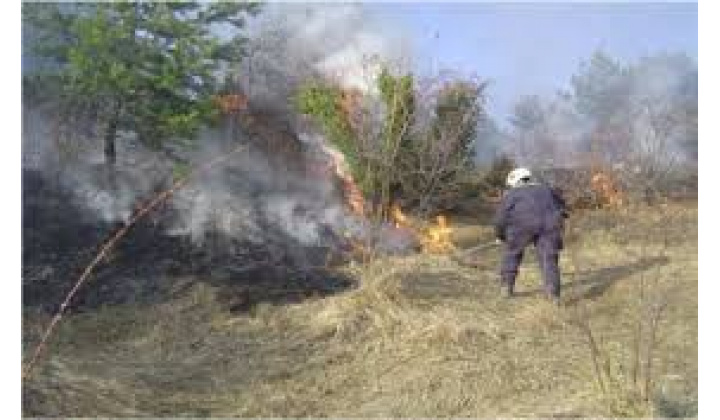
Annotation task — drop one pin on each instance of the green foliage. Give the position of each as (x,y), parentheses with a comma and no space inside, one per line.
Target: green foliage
(323,103)
(402,155)
(180,170)
(148,68)
(398,96)
(437,170)
(372,169)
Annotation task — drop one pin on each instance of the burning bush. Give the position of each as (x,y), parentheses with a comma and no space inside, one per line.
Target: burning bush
(424,144)
(433,238)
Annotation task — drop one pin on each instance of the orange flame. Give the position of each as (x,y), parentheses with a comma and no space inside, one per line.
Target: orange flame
(398,218)
(434,239)
(354,196)
(232,103)
(438,239)
(351,192)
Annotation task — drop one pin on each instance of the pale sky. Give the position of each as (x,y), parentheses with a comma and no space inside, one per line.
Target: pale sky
(534,48)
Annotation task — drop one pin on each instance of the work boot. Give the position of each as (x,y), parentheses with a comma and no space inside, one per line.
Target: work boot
(555,300)
(506,291)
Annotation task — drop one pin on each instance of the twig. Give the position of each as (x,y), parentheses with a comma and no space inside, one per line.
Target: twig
(595,353)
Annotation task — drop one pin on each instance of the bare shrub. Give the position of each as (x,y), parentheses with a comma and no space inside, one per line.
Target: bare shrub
(625,371)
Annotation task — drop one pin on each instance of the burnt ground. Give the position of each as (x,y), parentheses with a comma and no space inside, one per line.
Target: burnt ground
(59,239)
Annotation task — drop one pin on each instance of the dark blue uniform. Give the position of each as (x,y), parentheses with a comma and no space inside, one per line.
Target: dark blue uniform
(534,214)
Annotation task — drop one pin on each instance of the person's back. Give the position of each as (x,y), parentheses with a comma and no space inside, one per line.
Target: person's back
(532,207)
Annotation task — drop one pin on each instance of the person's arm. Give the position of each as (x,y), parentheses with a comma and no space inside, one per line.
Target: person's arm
(501,216)
(560,201)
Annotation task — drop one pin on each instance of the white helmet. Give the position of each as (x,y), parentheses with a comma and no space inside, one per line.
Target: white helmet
(515,177)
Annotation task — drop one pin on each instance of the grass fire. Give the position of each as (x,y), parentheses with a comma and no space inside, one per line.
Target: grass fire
(349,210)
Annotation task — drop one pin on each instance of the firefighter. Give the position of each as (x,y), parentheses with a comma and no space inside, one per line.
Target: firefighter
(530,213)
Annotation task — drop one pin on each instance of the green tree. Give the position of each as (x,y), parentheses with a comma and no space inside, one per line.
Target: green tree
(437,166)
(458,112)
(395,149)
(323,103)
(373,162)
(146,68)
(397,94)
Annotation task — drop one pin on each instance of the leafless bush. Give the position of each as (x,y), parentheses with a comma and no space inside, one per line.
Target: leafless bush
(627,379)
(655,168)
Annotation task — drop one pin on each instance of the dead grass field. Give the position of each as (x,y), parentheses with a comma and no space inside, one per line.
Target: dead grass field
(421,336)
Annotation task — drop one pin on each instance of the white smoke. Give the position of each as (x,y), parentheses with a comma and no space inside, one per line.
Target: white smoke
(647,119)
(340,41)
(251,190)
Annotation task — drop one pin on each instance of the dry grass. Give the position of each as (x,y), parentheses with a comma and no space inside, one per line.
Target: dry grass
(422,336)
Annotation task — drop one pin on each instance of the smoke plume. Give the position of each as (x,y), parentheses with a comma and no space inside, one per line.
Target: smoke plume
(292,189)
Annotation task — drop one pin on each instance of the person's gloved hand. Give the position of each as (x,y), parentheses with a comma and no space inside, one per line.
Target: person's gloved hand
(499,234)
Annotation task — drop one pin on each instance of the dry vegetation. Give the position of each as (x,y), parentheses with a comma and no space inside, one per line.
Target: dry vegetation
(420,336)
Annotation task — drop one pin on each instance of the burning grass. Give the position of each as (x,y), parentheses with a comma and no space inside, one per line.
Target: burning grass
(433,238)
(421,336)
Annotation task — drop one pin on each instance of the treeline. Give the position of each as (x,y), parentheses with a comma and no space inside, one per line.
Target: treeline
(154,70)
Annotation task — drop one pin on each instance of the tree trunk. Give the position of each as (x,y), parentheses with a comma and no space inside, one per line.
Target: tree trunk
(110,158)
(110,135)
